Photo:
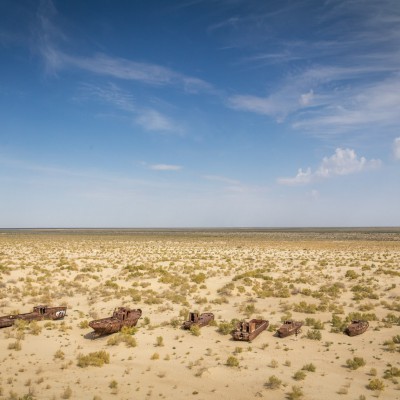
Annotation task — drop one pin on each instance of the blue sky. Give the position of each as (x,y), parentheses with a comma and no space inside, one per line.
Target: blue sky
(199,113)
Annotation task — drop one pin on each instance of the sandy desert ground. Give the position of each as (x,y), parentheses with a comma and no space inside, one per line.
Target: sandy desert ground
(324,278)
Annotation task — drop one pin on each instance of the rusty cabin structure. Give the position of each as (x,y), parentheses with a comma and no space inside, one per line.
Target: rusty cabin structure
(39,313)
(199,320)
(247,331)
(357,327)
(289,327)
(122,316)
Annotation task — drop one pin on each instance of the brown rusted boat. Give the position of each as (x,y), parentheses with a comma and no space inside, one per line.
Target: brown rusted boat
(289,327)
(196,319)
(122,316)
(247,331)
(39,313)
(357,327)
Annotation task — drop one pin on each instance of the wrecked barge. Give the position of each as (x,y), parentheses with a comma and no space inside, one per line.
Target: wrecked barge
(39,313)
(199,320)
(247,331)
(357,327)
(122,316)
(289,327)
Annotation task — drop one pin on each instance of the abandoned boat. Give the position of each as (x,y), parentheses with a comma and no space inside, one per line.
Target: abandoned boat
(199,320)
(122,316)
(289,327)
(247,331)
(357,327)
(39,313)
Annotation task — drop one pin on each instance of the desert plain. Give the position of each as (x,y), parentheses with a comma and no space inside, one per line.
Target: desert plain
(323,277)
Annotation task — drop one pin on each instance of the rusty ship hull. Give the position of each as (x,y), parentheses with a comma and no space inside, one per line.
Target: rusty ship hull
(121,317)
(39,313)
(248,331)
(357,327)
(199,320)
(289,327)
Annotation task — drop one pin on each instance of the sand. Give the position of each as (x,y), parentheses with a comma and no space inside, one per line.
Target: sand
(245,274)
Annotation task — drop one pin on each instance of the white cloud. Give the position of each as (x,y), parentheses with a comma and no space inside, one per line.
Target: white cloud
(153,120)
(396,148)
(343,162)
(165,167)
(149,119)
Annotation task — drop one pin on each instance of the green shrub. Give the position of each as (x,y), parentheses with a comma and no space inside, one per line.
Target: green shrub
(273,383)
(392,372)
(314,334)
(309,367)
(296,393)
(225,327)
(355,363)
(96,359)
(375,384)
(195,330)
(232,361)
(299,375)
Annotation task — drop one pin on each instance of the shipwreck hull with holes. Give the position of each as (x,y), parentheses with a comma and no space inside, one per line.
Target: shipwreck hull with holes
(357,327)
(122,316)
(199,320)
(39,313)
(289,327)
(248,331)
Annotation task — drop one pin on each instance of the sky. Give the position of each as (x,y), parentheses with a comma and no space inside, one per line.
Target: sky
(199,113)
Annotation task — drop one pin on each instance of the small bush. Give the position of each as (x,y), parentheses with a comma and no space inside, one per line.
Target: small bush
(392,372)
(195,330)
(155,356)
(296,393)
(375,384)
(96,359)
(226,327)
(159,341)
(113,384)
(59,354)
(355,363)
(273,383)
(67,393)
(232,362)
(314,334)
(309,367)
(299,375)
(84,324)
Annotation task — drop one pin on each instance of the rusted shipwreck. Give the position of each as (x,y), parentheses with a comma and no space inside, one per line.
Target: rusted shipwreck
(247,331)
(39,313)
(357,327)
(199,320)
(122,316)
(289,327)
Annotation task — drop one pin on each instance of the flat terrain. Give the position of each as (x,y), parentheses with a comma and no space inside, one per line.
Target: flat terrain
(324,277)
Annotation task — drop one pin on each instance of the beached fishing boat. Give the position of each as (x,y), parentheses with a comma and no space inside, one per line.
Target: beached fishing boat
(289,327)
(196,319)
(248,331)
(357,327)
(39,313)
(122,316)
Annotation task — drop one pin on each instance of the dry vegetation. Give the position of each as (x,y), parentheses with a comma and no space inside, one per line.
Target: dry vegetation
(325,278)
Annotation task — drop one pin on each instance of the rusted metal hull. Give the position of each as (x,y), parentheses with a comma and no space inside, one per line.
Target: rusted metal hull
(120,318)
(248,331)
(39,313)
(290,327)
(7,321)
(357,328)
(201,320)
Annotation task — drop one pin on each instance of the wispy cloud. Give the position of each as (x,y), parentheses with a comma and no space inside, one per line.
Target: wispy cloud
(148,118)
(396,148)
(343,162)
(165,167)
(49,38)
